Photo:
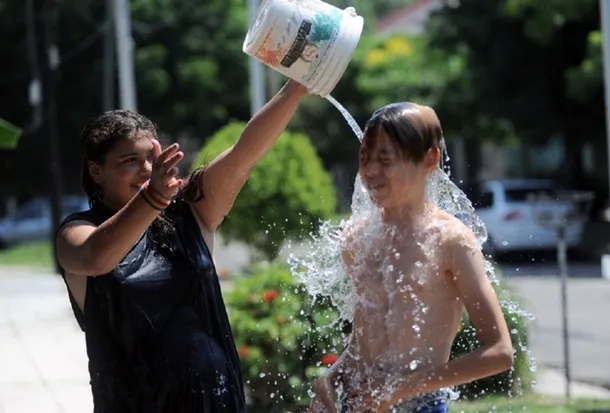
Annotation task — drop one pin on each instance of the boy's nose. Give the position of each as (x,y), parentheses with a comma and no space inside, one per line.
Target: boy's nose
(371,168)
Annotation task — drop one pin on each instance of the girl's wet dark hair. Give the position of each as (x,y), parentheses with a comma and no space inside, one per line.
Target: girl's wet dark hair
(101,134)
(413,129)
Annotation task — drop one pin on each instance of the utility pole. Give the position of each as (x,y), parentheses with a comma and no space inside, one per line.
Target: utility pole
(34,92)
(108,84)
(257,71)
(274,81)
(45,60)
(604,9)
(124,46)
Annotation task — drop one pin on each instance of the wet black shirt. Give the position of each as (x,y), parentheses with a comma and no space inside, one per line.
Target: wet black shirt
(157,332)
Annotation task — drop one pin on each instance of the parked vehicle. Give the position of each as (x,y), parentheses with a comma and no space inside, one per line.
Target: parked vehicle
(32,221)
(511,215)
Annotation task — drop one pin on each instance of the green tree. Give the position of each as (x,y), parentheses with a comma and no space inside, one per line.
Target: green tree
(191,70)
(191,76)
(545,20)
(287,195)
(525,61)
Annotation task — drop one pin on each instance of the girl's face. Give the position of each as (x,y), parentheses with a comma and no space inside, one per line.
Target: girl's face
(125,168)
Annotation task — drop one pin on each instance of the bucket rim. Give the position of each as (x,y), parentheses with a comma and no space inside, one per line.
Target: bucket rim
(251,41)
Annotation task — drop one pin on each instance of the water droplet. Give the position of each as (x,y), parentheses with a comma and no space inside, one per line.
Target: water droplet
(413,365)
(320,269)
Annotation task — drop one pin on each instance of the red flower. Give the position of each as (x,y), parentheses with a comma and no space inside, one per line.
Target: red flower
(243,351)
(270,296)
(329,359)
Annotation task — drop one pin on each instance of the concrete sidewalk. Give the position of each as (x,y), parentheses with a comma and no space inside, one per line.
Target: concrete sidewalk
(43,365)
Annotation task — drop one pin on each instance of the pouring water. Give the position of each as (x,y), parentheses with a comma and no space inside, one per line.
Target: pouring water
(322,271)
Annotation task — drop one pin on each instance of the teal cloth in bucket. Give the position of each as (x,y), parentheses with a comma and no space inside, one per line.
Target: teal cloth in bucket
(9,135)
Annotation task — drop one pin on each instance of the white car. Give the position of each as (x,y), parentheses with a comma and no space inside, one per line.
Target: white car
(512,218)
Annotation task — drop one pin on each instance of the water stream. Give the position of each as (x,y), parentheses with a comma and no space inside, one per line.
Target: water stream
(321,269)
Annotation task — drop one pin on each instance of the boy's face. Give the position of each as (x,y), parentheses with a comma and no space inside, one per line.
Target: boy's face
(390,178)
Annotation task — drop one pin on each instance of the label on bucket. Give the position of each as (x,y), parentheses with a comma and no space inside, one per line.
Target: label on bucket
(299,46)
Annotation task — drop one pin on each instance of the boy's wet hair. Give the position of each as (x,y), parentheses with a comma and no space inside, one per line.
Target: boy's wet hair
(413,129)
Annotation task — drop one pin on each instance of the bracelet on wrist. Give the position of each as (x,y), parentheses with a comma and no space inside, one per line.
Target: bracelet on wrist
(153,201)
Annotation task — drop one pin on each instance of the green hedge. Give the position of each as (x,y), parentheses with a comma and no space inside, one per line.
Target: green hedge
(282,338)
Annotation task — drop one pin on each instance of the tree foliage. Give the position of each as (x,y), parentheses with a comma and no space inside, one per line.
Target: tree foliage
(492,69)
(526,62)
(191,76)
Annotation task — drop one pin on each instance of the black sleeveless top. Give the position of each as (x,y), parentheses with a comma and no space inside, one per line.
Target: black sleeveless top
(157,332)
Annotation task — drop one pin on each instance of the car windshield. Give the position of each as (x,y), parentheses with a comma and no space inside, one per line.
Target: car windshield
(527,194)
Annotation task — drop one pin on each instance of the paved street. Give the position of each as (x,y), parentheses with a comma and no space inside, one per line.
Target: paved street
(43,366)
(588,307)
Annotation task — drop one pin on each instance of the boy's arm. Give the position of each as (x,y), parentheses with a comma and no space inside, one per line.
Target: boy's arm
(495,354)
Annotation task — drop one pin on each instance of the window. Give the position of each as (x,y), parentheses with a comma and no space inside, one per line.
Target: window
(528,194)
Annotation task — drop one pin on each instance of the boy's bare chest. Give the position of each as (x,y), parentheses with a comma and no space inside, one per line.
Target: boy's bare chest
(402,264)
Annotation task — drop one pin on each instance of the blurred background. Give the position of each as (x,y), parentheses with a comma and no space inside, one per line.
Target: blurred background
(517,84)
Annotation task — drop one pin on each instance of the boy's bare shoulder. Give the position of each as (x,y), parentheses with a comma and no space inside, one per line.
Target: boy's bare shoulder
(455,232)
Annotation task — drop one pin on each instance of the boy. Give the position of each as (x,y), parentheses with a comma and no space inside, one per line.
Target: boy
(414,269)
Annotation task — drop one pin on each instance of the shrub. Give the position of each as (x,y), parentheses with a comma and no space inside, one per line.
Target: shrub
(283,339)
(287,195)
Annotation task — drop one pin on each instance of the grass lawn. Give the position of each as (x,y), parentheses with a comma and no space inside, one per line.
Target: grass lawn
(531,404)
(36,254)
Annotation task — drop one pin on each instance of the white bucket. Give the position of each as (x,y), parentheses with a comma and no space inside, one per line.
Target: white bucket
(309,41)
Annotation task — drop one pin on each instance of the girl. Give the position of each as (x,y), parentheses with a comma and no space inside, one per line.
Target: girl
(138,264)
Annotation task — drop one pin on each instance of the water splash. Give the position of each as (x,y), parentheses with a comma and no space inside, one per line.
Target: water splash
(321,270)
